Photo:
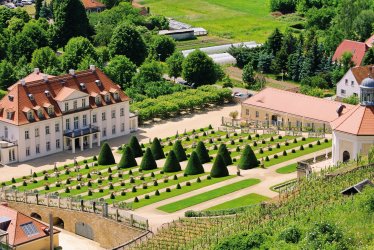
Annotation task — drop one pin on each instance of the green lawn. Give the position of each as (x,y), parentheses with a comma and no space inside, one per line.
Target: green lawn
(287,169)
(197,199)
(239,20)
(243,201)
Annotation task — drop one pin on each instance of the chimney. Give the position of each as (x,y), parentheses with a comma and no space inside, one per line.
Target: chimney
(45,78)
(72,72)
(36,70)
(23,82)
(92,67)
(340,109)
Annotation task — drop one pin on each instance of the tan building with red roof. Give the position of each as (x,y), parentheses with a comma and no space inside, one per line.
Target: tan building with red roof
(291,110)
(24,232)
(93,5)
(67,112)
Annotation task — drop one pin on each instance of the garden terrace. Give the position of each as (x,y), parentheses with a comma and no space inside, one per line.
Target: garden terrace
(312,201)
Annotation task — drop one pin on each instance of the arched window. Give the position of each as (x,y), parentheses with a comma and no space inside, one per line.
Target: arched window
(346,156)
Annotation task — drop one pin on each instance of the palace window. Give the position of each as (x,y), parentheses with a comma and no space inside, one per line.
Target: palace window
(122,112)
(27,136)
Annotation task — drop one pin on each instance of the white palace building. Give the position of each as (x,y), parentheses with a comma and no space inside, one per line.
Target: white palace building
(43,114)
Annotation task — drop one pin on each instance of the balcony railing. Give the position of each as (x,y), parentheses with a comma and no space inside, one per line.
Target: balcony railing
(14,142)
(81,131)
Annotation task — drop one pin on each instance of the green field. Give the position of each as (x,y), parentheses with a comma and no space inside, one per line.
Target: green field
(287,169)
(197,199)
(239,20)
(243,201)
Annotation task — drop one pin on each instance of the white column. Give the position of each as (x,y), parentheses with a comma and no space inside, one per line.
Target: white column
(90,138)
(98,139)
(81,142)
(73,145)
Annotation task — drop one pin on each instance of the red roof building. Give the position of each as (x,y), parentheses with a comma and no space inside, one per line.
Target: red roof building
(358,50)
(93,5)
(24,231)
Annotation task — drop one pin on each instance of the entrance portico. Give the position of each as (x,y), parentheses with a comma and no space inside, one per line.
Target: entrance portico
(82,138)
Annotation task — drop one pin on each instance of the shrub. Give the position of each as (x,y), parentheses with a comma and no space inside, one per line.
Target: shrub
(34,175)
(171,163)
(263,142)
(271,139)
(78,187)
(89,193)
(178,186)
(132,180)
(146,197)
(86,167)
(175,177)
(219,168)
(301,147)
(235,134)
(284,153)
(133,189)
(267,158)
(136,199)
(94,158)
(179,151)
(248,159)
(210,140)
(106,156)
(242,241)
(157,193)
(293,151)
(198,180)
(318,142)
(227,136)
(219,139)
(67,181)
(290,235)
(326,140)
(111,186)
(232,142)
(279,137)
(255,144)
(215,147)
(202,153)
(123,193)
(240,140)
(99,181)
(67,172)
(208,177)
(45,178)
(110,177)
(295,140)
(46,187)
(145,186)
(135,147)
(222,150)
(234,160)
(187,138)
(67,190)
(286,143)
(166,180)
(237,149)
(168,190)
(194,165)
(155,183)
(278,145)
(85,161)
(257,135)
(156,149)
(210,126)
(188,183)
(303,139)
(261,151)
(213,132)
(249,137)
(127,159)
(123,184)
(101,190)
(275,156)
(148,162)
(310,145)
(170,143)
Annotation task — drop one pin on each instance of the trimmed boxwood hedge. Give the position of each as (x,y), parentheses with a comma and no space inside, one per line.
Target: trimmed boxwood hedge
(194,165)
(248,159)
(171,163)
(106,156)
(219,168)
(127,159)
(148,161)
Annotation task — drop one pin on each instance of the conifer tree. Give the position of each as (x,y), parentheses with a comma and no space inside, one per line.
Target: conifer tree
(222,150)
(194,165)
(106,156)
(127,159)
(135,147)
(156,149)
(179,151)
(148,161)
(248,159)
(171,163)
(202,153)
(219,168)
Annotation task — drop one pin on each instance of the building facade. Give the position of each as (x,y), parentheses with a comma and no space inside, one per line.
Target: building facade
(69,112)
(353,132)
(349,85)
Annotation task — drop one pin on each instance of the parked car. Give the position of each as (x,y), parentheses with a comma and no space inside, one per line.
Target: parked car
(26,2)
(19,4)
(241,96)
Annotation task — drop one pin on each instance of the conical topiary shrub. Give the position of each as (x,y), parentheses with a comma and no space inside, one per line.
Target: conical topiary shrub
(219,168)
(148,161)
(222,150)
(194,165)
(127,159)
(135,147)
(248,159)
(106,156)
(171,163)
(202,153)
(179,151)
(156,149)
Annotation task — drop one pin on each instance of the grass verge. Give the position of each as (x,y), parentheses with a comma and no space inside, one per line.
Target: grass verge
(247,200)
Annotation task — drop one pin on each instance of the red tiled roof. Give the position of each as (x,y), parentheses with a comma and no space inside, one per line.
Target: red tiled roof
(362,72)
(55,85)
(369,42)
(92,4)
(297,104)
(17,235)
(357,121)
(358,50)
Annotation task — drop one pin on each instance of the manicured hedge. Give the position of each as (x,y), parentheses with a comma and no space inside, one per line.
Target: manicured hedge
(194,165)
(202,153)
(156,149)
(106,156)
(135,147)
(219,168)
(148,161)
(172,163)
(179,151)
(248,159)
(127,159)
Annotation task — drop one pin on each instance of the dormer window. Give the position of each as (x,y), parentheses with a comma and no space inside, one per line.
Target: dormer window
(98,100)
(83,85)
(11,98)
(50,110)
(66,106)
(40,113)
(9,115)
(98,83)
(30,116)
(116,96)
(31,97)
(47,93)
(107,98)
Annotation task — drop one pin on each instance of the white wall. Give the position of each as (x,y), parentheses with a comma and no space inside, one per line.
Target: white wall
(346,84)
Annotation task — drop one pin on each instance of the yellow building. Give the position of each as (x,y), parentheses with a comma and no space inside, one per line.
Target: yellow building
(288,110)
(24,232)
